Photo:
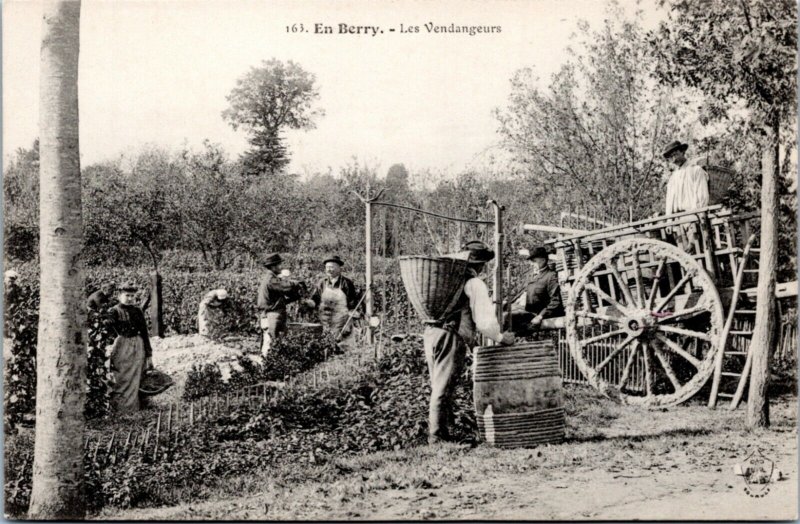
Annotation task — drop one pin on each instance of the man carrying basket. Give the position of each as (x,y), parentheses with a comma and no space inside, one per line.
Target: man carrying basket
(445,342)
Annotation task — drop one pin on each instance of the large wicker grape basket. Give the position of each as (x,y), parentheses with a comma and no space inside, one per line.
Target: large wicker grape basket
(434,284)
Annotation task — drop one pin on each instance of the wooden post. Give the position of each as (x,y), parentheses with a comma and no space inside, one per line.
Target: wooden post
(156,307)
(499,237)
(158,431)
(368,276)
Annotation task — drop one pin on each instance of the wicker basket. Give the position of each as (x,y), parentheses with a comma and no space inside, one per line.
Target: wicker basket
(434,285)
(154,382)
(720,180)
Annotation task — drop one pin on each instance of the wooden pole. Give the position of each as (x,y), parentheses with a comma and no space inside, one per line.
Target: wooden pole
(368,276)
(499,237)
(156,307)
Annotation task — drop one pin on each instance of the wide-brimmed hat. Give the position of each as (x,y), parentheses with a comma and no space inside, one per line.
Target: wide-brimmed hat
(674,146)
(128,286)
(335,259)
(272,258)
(478,251)
(537,252)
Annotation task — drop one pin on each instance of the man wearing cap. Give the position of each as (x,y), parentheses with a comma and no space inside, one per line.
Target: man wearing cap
(131,353)
(209,314)
(101,299)
(274,293)
(336,298)
(687,189)
(542,294)
(445,342)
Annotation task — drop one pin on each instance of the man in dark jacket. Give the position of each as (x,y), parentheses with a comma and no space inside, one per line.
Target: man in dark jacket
(542,294)
(274,293)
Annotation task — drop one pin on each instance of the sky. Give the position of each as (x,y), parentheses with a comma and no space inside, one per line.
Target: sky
(158,73)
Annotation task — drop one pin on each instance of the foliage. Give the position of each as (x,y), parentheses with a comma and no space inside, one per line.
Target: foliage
(129,207)
(734,51)
(21,204)
(99,378)
(267,100)
(592,138)
(21,323)
(381,410)
(21,331)
(21,187)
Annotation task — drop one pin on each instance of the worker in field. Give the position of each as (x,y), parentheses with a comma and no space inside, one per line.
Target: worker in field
(543,293)
(101,299)
(336,298)
(131,353)
(446,342)
(687,190)
(211,312)
(274,293)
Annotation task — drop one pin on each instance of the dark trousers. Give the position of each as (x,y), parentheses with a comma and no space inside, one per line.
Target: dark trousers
(444,352)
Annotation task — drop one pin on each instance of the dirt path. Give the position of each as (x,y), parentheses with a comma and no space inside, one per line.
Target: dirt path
(673,464)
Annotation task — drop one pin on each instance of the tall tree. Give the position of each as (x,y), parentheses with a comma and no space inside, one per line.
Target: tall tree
(58,489)
(132,207)
(743,53)
(591,139)
(266,101)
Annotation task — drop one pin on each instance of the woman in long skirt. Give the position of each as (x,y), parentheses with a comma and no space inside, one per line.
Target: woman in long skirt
(131,354)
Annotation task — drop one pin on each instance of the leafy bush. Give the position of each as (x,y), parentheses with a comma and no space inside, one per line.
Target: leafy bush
(20,327)
(21,330)
(99,378)
(382,410)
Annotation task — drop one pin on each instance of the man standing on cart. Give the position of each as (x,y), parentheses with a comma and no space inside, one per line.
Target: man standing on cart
(687,190)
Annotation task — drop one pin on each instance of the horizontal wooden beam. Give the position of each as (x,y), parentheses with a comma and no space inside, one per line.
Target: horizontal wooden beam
(782,290)
(530,228)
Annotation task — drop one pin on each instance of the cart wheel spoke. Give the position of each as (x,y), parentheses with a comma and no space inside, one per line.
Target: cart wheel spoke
(648,372)
(601,336)
(654,288)
(637,275)
(598,316)
(614,353)
(685,332)
(683,315)
(623,284)
(667,368)
(677,289)
(679,350)
(605,296)
(626,373)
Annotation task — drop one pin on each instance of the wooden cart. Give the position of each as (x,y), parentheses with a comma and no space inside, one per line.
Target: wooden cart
(650,322)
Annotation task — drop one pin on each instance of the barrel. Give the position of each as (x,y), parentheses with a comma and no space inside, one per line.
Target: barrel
(519,401)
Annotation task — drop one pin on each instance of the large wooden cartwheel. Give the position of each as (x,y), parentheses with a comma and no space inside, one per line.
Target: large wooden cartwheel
(643,322)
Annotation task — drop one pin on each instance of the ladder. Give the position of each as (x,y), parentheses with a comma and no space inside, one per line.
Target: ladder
(735,339)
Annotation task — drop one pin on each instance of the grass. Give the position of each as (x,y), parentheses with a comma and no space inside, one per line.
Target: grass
(601,436)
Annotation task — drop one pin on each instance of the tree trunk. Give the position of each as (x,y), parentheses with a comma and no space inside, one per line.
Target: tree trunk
(58,491)
(758,402)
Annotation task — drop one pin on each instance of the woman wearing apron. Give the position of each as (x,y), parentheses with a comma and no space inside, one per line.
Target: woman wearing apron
(336,298)
(131,352)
